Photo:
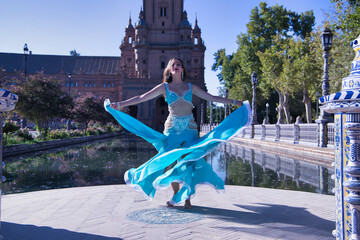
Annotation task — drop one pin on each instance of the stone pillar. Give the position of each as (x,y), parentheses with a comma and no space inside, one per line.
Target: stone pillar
(7,103)
(263,130)
(297,130)
(346,107)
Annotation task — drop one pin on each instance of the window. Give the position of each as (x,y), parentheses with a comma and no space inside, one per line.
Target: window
(162,64)
(163,23)
(90,84)
(162,32)
(86,84)
(196,41)
(162,12)
(130,40)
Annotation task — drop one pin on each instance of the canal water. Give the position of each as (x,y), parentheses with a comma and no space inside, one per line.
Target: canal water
(105,162)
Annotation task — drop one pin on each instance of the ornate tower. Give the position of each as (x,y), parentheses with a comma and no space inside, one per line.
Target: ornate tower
(127,52)
(161,33)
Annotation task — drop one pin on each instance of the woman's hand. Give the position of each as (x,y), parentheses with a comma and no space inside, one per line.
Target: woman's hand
(116,105)
(239,103)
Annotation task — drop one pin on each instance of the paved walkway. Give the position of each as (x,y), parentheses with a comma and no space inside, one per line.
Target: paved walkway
(117,212)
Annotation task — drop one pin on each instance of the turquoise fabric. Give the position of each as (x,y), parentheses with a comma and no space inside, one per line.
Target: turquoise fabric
(186,148)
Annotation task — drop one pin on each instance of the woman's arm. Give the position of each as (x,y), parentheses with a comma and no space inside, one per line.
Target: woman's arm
(153,93)
(207,96)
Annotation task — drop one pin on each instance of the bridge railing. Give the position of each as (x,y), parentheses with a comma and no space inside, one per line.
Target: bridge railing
(302,133)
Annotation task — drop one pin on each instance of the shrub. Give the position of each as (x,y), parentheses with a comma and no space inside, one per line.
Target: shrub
(58,134)
(25,134)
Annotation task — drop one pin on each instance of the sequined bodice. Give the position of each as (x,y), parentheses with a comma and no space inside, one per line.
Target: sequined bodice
(180,117)
(172,97)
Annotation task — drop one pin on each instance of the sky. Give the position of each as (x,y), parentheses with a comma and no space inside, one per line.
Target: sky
(97,27)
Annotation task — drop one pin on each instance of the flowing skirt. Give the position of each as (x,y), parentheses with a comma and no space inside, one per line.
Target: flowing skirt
(186,148)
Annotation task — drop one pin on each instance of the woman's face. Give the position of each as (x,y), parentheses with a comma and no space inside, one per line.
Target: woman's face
(176,67)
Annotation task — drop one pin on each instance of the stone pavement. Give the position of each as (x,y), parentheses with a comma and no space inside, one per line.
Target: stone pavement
(118,212)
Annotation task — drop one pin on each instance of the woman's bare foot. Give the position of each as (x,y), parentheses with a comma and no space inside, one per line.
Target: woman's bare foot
(187,204)
(169,204)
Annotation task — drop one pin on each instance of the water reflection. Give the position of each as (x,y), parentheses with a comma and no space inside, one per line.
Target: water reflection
(105,162)
(92,164)
(244,166)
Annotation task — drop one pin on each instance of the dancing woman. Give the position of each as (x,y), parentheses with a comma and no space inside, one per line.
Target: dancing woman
(180,150)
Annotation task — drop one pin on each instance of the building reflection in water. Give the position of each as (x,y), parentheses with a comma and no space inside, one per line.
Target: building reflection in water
(105,162)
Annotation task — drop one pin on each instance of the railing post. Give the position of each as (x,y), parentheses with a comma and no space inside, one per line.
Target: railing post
(278,129)
(345,105)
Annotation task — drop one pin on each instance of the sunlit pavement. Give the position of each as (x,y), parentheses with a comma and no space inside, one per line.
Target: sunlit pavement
(118,212)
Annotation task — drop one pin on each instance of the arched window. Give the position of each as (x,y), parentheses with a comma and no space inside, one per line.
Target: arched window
(130,39)
(196,41)
(86,84)
(181,38)
(104,84)
(90,84)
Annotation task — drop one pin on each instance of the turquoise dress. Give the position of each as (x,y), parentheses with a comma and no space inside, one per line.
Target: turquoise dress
(179,145)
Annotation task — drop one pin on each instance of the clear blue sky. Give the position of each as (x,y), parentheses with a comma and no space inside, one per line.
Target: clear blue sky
(96,27)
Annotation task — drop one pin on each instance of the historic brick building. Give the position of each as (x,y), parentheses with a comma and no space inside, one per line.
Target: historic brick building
(161,33)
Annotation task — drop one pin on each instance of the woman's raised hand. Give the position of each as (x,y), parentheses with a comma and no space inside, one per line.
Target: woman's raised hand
(239,103)
(116,105)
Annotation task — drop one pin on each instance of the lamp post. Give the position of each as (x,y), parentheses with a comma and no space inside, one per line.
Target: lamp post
(69,81)
(253,114)
(211,115)
(324,118)
(26,51)
(267,113)
(7,103)
(317,103)
(226,105)
(69,121)
(23,122)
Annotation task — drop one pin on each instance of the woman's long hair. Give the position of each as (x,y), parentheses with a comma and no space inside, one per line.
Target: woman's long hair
(167,77)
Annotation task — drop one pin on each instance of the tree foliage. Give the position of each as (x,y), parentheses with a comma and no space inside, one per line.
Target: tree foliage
(344,20)
(89,108)
(266,24)
(41,99)
(74,53)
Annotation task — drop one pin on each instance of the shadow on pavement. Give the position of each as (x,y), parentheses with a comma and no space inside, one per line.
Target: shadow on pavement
(14,231)
(286,218)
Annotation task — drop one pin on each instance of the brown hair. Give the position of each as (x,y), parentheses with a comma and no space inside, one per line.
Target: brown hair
(167,75)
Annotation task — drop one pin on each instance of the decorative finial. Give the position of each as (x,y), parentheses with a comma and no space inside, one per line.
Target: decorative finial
(353,80)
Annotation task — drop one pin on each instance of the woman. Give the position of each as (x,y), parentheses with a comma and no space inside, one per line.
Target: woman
(180,150)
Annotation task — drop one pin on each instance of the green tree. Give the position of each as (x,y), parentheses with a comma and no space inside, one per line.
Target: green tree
(89,108)
(344,20)
(41,99)
(265,23)
(74,53)
(9,127)
(307,62)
